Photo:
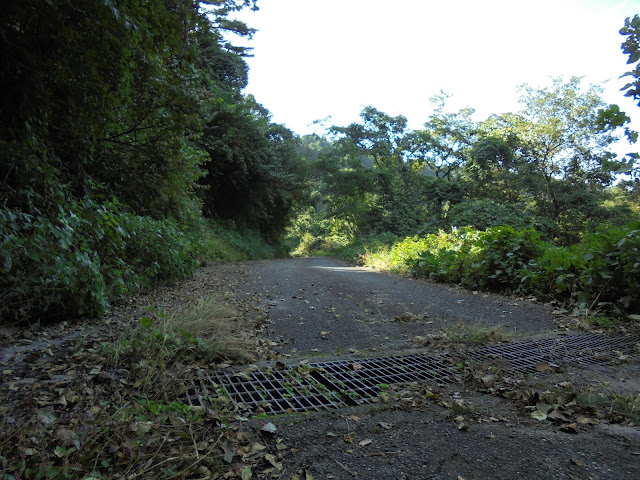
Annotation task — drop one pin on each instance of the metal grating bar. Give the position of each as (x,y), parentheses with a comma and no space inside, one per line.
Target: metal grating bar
(278,392)
(364,379)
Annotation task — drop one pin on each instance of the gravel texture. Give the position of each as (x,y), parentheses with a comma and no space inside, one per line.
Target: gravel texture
(318,308)
(320,305)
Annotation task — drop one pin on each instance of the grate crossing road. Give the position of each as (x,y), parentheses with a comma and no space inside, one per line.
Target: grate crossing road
(330,385)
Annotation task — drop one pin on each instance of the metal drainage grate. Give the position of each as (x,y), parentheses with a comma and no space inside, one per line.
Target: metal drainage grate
(320,386)
(278,391)
(330,385)
(364,378)
(581,350)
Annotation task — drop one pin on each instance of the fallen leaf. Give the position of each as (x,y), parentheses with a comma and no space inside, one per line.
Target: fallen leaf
(280,366)
(539,415)
(588,420)
(140,427)
(246,474)
(46,417)
(489,380)
(543,407)
(273,461)
(365,442)
(356,366)
(542,366)
(578,462)
(385,425)
(229,452)
(569,428)
(349,437)
(256,447)
(354,418)
(66,438)
(60,452)
(556,416)
(269,428)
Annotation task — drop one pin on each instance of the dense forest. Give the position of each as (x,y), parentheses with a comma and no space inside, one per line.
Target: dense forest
(129,152)
(534,202)
(130,155)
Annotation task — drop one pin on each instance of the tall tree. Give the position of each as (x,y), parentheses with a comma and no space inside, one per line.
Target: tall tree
(563,158)
(612,118)
(446,138)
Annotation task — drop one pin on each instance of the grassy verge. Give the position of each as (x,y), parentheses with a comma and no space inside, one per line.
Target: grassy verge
(121,410)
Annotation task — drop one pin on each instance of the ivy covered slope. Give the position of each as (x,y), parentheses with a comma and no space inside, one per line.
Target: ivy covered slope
(535,202)
(126,144)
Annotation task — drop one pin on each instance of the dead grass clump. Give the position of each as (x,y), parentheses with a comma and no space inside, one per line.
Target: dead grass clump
(216,328)
(473,334)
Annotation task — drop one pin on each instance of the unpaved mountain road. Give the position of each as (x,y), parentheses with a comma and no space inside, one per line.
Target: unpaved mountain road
(320,308)
(317,308)
(320,305)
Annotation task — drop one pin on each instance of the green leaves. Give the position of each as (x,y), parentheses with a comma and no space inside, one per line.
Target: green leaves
(631,47)
(601,272)
(87,256)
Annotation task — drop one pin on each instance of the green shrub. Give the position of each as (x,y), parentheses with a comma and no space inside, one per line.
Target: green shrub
(308,245)
(88,254)
(46,269)
(215,242)
(499,255)
(442,256)
(603,271)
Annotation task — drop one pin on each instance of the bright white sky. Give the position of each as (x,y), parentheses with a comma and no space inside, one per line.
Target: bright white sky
(320,58)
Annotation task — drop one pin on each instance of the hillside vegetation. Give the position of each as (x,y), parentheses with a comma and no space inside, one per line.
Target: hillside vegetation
(131,155)
(129,152)
(535,203)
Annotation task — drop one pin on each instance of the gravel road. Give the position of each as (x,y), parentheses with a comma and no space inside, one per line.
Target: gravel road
(316,308)
(320,305)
